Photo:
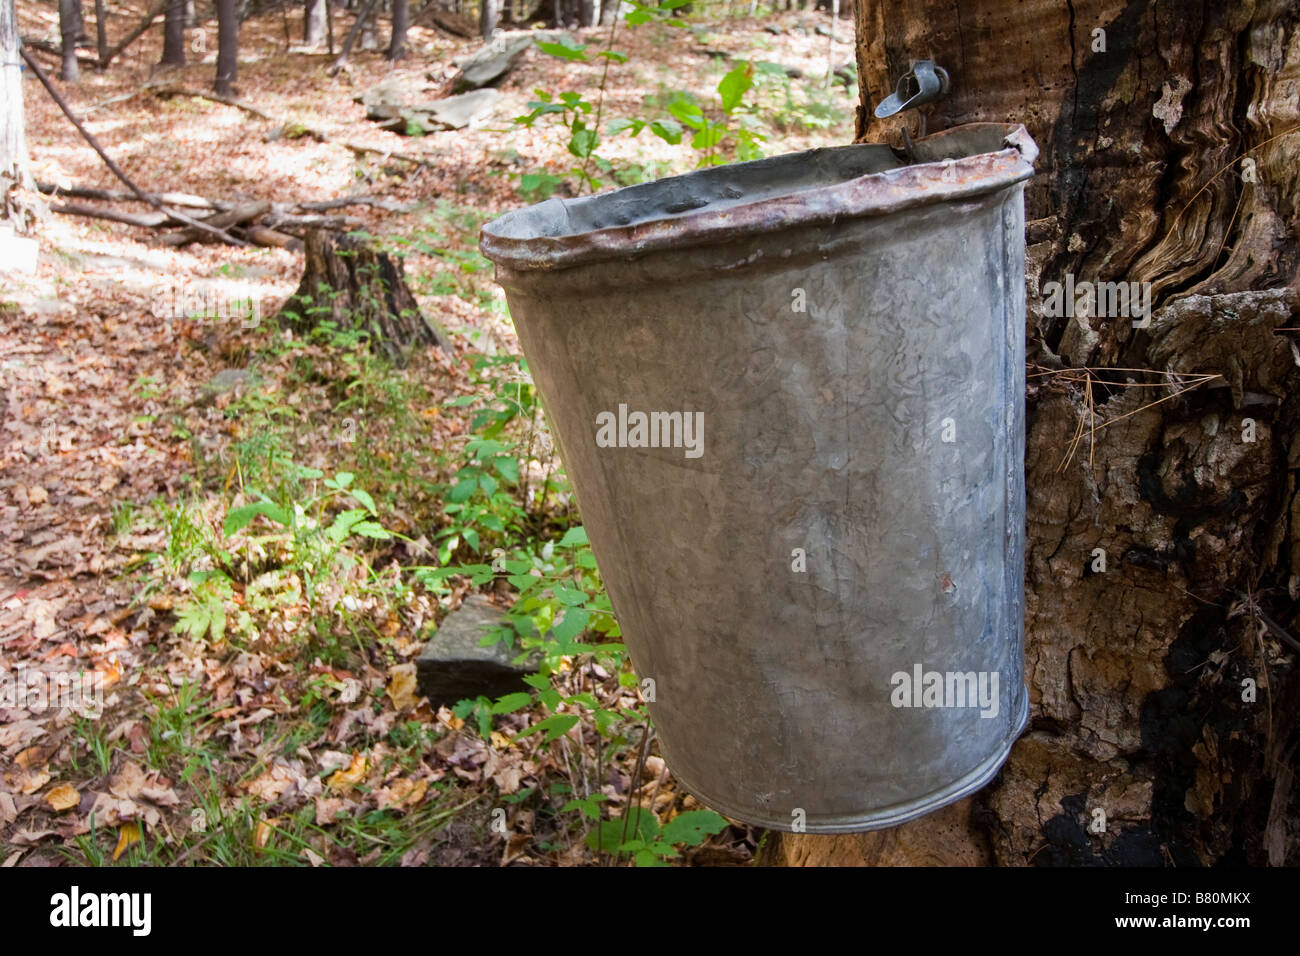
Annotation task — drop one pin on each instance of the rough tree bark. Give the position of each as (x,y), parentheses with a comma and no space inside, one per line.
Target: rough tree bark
(349,282)
(1170,155)
(227,47)
(13,134)
(174,34)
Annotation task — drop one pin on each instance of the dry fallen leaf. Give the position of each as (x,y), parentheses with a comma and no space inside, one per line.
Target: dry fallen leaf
(401,686)
(110,668)
(127,782)
(515,845)
(343,780)
(33,756)
(128,834)
(262,832)
(28,781)
(63,797)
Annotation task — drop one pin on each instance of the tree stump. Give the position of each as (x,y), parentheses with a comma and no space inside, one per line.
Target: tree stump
(349,282)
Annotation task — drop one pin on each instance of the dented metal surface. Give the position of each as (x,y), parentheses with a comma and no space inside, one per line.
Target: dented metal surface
(718,204)
(827,350)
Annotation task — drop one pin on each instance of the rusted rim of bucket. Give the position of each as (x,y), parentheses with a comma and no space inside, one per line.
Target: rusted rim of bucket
(710,206)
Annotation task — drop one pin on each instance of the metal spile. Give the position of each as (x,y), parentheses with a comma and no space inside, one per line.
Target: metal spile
(789,395)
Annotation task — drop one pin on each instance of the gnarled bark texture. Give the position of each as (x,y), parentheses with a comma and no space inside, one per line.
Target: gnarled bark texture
(1170,155)
(348,281)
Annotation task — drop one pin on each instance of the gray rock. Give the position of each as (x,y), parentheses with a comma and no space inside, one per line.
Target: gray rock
(491,62)
(389,106)
(457,112)
(227,380)
(454,665)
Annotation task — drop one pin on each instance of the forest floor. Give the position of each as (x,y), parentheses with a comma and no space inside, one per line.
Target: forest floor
(232,528)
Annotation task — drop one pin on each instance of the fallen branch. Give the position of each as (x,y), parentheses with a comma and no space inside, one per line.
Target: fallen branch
(108,161)
(388,205)
(94,212)
(154,13)
(170,90)
(352,37)
(56,50)
(218,222)
(118,195)
(264,236)
(298,223)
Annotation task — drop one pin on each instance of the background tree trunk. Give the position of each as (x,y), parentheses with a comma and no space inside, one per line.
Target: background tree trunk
(69,29)
(314,22)
(174,34)
(13,135)
(369,32)
(101,33)
(227,47)
(1170,156)
(401,18)
(489,15)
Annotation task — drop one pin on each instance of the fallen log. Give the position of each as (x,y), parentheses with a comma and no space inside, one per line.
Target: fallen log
(455,24)
(265,236)
(388,205)
(221,221)
(56,49)
(288,221)
(108,161)
(154,221)
(121,195)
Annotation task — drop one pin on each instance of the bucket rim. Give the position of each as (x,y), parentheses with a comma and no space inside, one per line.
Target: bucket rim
(952,174)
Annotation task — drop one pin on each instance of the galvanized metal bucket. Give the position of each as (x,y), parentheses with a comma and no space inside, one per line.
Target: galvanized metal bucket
(790,397)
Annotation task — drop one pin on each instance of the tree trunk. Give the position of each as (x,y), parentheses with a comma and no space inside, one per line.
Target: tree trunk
(350,283)
(314,22)
(489,15)
(69,28)
(13,136)
(174,34)
(79,23)
(351,38)
(401,18)
(369,33)
(1163,558)
(227,47)
(101,33)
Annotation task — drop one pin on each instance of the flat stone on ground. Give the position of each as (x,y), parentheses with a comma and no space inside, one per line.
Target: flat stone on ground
(454,665)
